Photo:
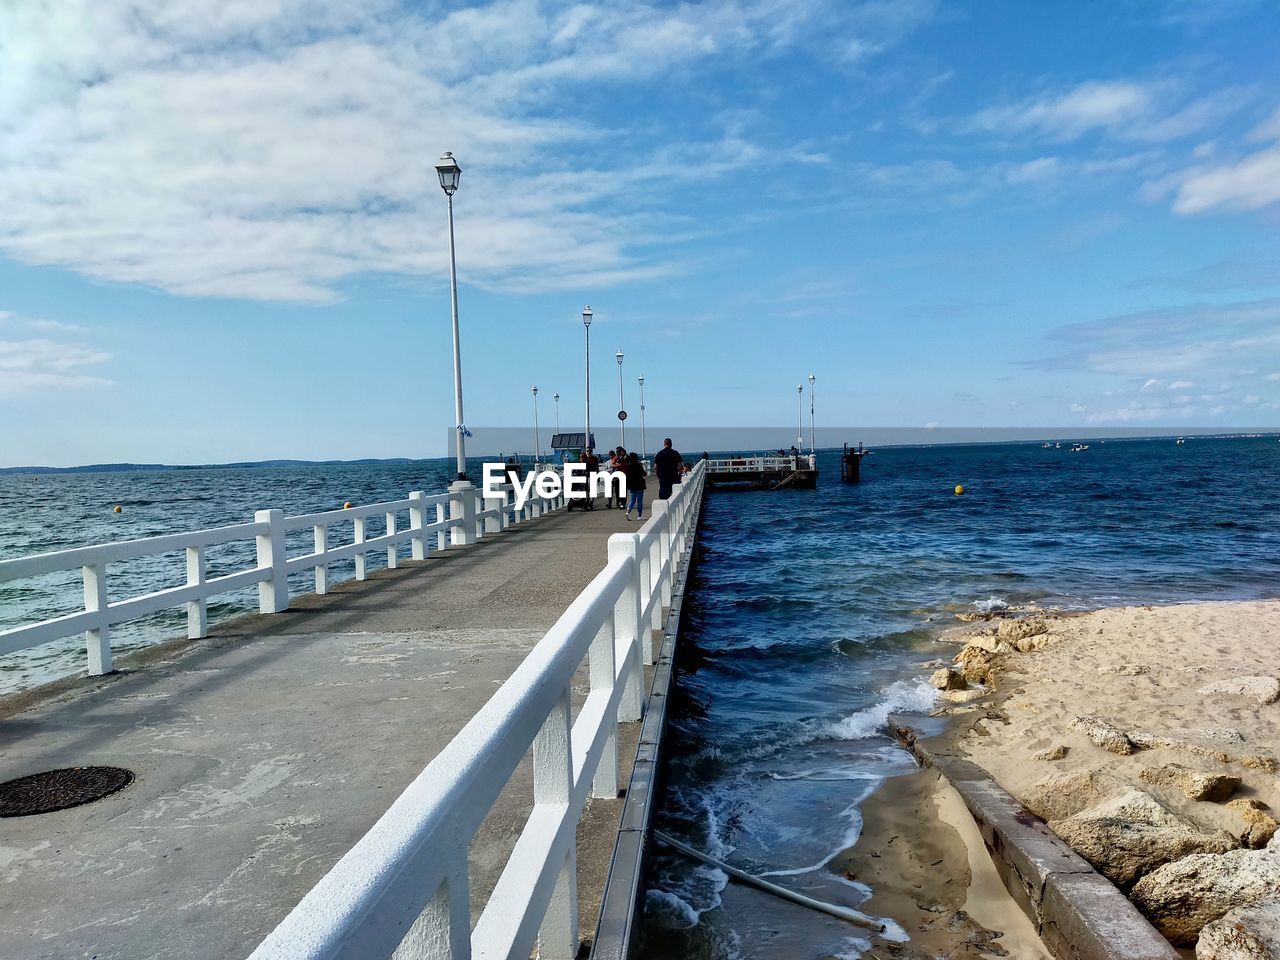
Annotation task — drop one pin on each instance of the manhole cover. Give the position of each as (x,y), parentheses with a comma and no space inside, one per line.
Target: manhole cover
(60,789)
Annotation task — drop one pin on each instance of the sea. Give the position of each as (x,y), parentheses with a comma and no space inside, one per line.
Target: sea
(811,614)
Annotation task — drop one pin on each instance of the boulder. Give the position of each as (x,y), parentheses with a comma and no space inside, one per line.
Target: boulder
(977,665)
(1203,743)
(962,696)
(1053,753)
(1259,825)
(1133,833)
(1060,795)
(1182,897)
(1195,784)
(946,679)
(1104,734)
(991,644)
(1261,689)
(1245,933)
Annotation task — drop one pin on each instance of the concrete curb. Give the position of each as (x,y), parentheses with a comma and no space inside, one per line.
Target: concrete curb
(621,905)
(1077,912)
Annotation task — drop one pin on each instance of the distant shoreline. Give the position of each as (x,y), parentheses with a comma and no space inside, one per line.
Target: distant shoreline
(1202,433)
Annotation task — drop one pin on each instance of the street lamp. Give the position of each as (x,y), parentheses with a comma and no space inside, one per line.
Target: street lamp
(450,174)
(812,447)
(622,407)
(644,444)
(556,398)
(537,439)
(587,315)
(800,417)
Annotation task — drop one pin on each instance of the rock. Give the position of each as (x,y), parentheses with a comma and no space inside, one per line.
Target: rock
(1260,826)
(963,696)
(1011,631)
(977,665)
(1060,795)
(1262,689)
(1245,933)
(991,644)
(1182,897)
(1105,735)
(946,679)
(1196,784)
(1053,753)
(1202,744)
(1131,834)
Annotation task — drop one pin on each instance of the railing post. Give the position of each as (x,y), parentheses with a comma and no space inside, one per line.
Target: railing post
(197,609)
(462,506)
(477,506)
(667,519)
(361,565)
(392,553)
(443,930)
(602,666)
(417,520)
(442,535)
(321,532)
(273,593)
(626,623)
(493,524)
(97,639)
(553,784)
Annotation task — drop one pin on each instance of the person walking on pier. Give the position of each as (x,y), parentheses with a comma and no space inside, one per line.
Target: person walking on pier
(617,464)
(635,486)
(667,464)
(593,467)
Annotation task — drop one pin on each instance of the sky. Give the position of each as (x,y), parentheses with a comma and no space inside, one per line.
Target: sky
(222,236)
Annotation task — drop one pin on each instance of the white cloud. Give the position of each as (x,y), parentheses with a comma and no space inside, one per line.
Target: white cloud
(1125,109)
(29,366)
(1181,385)
(1273,376)
(1150,383)
(272,149)
(1247,184)
(1079,408)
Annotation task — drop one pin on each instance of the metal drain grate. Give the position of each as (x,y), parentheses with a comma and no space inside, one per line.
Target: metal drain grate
(60,789)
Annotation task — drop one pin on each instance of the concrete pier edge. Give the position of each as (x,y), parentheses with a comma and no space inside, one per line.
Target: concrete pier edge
(1077,912)
(622,905)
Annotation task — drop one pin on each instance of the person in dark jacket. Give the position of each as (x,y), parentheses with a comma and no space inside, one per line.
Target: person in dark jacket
(635,486)
(667,465)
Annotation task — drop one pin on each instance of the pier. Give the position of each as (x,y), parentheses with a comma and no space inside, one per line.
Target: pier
(799,471)
(426,761)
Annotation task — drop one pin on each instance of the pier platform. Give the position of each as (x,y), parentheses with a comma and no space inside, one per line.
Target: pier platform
(264,752)
(764,473)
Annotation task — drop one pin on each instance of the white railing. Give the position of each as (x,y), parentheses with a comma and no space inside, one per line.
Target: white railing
(403,890)
(460,517)
(772,464)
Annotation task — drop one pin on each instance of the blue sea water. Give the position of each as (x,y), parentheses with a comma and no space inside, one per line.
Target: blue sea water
(46,512)
(813,611)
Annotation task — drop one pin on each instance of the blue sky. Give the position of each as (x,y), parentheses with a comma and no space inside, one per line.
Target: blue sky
(221,234)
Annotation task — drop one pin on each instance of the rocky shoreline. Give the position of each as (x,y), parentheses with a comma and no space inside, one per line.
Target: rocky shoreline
(1145,737)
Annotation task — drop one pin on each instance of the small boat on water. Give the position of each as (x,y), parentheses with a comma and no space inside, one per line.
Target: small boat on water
(1079,447)
(1181,440)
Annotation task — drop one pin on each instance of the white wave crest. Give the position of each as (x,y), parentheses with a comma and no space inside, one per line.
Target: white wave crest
(991,604)
(903,696)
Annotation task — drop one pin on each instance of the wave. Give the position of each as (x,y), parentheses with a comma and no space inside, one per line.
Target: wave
(902,696)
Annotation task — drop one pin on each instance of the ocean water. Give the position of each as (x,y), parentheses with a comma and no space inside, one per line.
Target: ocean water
(44,512)
(812,612)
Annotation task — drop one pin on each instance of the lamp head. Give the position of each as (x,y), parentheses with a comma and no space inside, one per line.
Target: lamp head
(450,173)
(535,389)
(619,356)
(587,316)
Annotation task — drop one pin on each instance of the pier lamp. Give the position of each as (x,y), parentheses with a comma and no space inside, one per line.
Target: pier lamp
(450,174)
(812,447)
(556,397)
(622,406)
(537,438)
(800,416)
(644,444)
(587,317)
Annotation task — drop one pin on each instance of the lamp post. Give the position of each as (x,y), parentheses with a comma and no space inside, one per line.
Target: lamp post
(644,444)
(450,174)
(622,406)
(587,315)
(800,417)
(556,398)
(537,439)
(812,447)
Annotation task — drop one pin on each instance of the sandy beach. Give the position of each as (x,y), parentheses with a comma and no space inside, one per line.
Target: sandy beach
(1146,737)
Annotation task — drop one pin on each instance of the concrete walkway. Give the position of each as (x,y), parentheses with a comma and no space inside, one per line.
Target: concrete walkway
(264,752)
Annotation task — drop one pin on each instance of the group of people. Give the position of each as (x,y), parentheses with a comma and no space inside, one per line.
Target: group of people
(668,466)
